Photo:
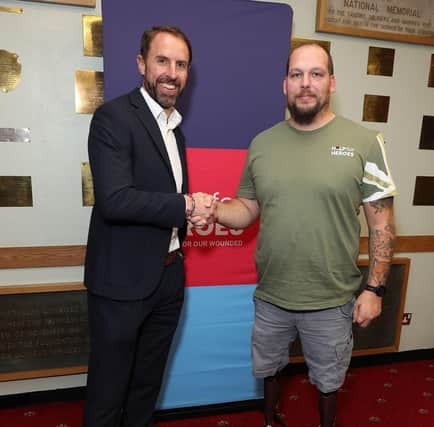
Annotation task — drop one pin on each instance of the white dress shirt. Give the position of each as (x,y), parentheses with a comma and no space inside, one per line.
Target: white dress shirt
(167,125)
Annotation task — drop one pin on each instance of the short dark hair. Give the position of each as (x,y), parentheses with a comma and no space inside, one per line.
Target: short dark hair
(330,66)
(149,35)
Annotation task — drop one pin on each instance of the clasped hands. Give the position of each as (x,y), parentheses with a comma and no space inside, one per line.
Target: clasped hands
(203,209)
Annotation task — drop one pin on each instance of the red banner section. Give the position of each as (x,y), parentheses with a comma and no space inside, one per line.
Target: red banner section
(217,255)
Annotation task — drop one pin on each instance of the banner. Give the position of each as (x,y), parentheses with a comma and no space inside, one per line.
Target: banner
(234,91)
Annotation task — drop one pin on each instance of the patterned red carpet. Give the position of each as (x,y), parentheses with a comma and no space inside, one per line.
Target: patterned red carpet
(393,395)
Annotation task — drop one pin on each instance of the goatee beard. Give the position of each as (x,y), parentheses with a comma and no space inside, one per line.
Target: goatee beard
(307,116)
(303,117)
(164,101)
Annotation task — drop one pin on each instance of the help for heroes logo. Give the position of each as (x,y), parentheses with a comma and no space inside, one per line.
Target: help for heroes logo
(337,150)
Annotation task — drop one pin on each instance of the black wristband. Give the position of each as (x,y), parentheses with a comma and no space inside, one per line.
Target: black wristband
(379,290)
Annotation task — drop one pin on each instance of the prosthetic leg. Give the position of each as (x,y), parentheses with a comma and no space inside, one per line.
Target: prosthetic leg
(327,408)
(271,399)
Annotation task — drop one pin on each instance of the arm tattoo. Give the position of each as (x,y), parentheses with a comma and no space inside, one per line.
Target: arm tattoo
(382,242)
(380,205)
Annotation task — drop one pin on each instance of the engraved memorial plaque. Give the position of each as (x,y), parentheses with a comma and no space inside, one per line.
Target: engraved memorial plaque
(380,61)
(10,70)
(89,91)
(296,42)
(83,3)
(427,133)
(14,135)
(87,185)
(402,20)
(16,191)
(43,331)
(376,108)
(92,35)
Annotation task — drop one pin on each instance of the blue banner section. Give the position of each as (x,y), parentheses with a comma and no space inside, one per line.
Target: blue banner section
(210,360)
(240,49)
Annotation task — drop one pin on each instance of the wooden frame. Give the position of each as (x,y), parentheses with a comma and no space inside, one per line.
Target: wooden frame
(296,352)
(83,3)
(69,256)
(407,23)
(29,291)
(399,314)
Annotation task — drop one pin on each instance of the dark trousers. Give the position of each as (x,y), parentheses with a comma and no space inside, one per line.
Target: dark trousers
(130,342)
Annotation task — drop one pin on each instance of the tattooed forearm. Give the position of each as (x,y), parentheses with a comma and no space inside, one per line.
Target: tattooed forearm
(380,205)
(381,247)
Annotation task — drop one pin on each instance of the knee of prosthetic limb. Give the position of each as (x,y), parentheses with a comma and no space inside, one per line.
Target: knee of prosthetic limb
(272,378)
(330,393)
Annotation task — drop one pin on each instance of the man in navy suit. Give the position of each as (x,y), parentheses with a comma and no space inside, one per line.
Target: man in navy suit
(134,269)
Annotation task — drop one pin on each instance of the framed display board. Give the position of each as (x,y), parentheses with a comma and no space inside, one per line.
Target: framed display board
(409,21)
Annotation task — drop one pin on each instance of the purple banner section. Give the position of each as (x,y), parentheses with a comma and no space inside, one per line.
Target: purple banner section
(240,49)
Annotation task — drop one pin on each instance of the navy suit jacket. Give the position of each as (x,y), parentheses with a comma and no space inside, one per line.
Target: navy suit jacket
(136,204)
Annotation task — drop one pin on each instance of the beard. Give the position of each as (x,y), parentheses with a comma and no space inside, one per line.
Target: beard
(306,115)
(166,101)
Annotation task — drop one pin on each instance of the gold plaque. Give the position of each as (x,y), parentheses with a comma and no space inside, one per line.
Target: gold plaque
(84,3)
(14,135)
(11,9)
(87,185)
(402,20)
(89,91)
(296,42)
(380,61)
(376,108)
(92,35)
(16,191)
(431,73)
(10,70)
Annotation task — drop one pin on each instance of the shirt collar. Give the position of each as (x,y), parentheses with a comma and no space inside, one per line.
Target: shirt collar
(158,112)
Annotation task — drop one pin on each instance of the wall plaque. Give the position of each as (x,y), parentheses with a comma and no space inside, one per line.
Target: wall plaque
(431,73)
(87,185)
(92,35)
(43,332)
(16,191)
(89,91)
(424,191)
(10,70)
(376,108)
(403,20)
(86,3)
(14,135)
(380,61)
(11,9)
(427,133)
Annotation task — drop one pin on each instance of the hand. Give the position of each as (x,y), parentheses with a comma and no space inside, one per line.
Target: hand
(204,209)
(366,308)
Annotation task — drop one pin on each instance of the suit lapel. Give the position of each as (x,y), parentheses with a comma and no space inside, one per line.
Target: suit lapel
(147,119)
(180,141)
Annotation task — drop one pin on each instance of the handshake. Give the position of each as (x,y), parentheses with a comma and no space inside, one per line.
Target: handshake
(201,208)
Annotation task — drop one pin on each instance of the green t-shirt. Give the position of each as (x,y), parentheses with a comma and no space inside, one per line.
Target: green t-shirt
(310,186)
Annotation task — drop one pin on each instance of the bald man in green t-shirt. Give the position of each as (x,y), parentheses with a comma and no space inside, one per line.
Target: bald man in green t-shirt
(306,179)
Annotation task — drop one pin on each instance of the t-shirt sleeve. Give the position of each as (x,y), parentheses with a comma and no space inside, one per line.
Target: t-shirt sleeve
(246,188)
(377,182)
